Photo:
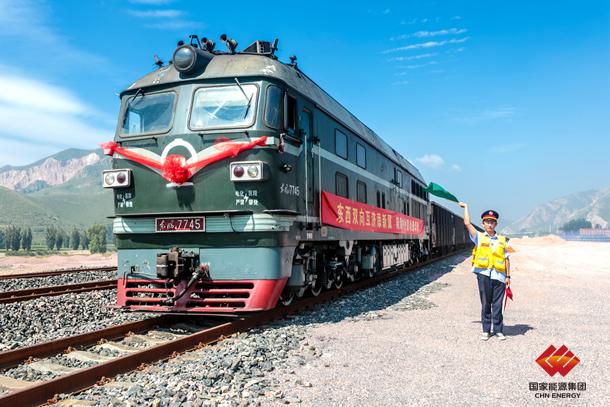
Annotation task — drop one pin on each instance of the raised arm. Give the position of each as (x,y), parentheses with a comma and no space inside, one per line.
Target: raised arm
(471,230)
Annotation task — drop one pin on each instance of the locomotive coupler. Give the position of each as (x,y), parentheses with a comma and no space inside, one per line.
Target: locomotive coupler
(176,263)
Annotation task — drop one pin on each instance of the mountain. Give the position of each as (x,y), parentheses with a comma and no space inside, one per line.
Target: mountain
(592,205)
(15,207)
(53,170)
(63,189)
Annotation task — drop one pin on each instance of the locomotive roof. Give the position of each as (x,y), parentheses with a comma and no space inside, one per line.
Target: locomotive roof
(240,65)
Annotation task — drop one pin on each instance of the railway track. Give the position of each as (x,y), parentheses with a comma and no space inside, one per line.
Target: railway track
(36,393)
(32,293)
(56,272)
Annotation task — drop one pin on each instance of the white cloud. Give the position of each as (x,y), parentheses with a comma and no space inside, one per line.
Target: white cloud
(434,161)
(424,45)
(456,18)
(499,113)
(168,13)
(414,66)
(456,51)
(505,112)
(413,57)
(165,19)
(38,114)
(29,94)
(400,83)
(28,19)
(455,168)
(427,34)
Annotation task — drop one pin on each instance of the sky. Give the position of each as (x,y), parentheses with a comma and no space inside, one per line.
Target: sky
(505,104)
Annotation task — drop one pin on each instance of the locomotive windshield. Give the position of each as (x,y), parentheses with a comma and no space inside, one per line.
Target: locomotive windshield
(223,106)
(148,113)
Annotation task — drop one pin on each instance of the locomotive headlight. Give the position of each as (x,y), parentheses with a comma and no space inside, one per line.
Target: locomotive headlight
(116,178)
(253,171)
(109,179)
(247,171)
(185,58)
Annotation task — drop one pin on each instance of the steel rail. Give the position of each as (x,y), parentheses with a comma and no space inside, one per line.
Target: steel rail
(32,293)
(13,357)
(56,272)
(82,379)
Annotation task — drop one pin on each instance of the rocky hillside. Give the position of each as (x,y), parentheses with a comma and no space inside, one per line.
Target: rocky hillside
(63,189)
(53,170)
(593,205)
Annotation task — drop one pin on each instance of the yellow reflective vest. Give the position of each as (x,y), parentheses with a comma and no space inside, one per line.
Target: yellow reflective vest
(486,257)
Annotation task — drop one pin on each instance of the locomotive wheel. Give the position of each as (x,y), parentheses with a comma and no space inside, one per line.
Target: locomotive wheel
(287,297)
(351,276)
(338,281)
(316,287)
(300,292)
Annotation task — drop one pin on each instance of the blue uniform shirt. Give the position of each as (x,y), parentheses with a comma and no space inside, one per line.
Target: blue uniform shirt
(490,272)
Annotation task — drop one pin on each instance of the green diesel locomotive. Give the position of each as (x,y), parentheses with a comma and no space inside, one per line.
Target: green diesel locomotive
(238,182)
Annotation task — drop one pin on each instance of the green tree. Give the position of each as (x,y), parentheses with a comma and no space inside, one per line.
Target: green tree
(75,240)
(13,238)
(59,239)
(2,238)
(97,239)
(575,224)
(8,236)
(26,239)
(50,237)
(84,240)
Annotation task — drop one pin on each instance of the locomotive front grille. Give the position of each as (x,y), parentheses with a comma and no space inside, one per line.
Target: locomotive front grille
(147,294)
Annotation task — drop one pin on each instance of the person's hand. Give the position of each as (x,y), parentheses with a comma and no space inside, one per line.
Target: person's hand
(463,204)
(507,281)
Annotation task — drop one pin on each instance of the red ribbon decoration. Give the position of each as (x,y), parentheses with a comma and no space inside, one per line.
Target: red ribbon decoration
(175,168)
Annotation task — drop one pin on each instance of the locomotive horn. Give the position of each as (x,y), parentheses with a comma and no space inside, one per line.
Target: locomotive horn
(230,42)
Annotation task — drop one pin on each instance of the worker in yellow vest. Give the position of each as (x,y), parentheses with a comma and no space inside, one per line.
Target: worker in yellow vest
(492,266)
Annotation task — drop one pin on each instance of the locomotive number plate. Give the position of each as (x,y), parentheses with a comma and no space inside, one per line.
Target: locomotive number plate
(191,224)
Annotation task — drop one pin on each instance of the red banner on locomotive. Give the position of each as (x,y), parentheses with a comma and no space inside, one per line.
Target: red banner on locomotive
(347,214)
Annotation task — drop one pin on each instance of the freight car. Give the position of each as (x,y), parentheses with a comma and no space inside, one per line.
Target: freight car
(239,183)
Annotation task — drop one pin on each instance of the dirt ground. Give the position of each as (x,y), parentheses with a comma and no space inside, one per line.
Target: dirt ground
(72,259)
(435,356)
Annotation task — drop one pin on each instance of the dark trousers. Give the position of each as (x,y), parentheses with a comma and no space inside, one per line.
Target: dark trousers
(492,294)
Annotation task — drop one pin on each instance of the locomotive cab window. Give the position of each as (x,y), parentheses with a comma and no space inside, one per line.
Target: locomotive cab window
(398,177)
(291,114)
(360,155)
(381,199)
(340,144)
(341,187)
(274,107)
(361,192)
(223,106)
(148,113)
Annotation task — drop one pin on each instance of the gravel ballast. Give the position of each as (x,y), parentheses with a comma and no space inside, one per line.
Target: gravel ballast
(62,279)
(238,371)
(46,318)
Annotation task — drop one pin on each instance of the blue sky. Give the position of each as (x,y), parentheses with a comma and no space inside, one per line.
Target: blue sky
(504,103)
